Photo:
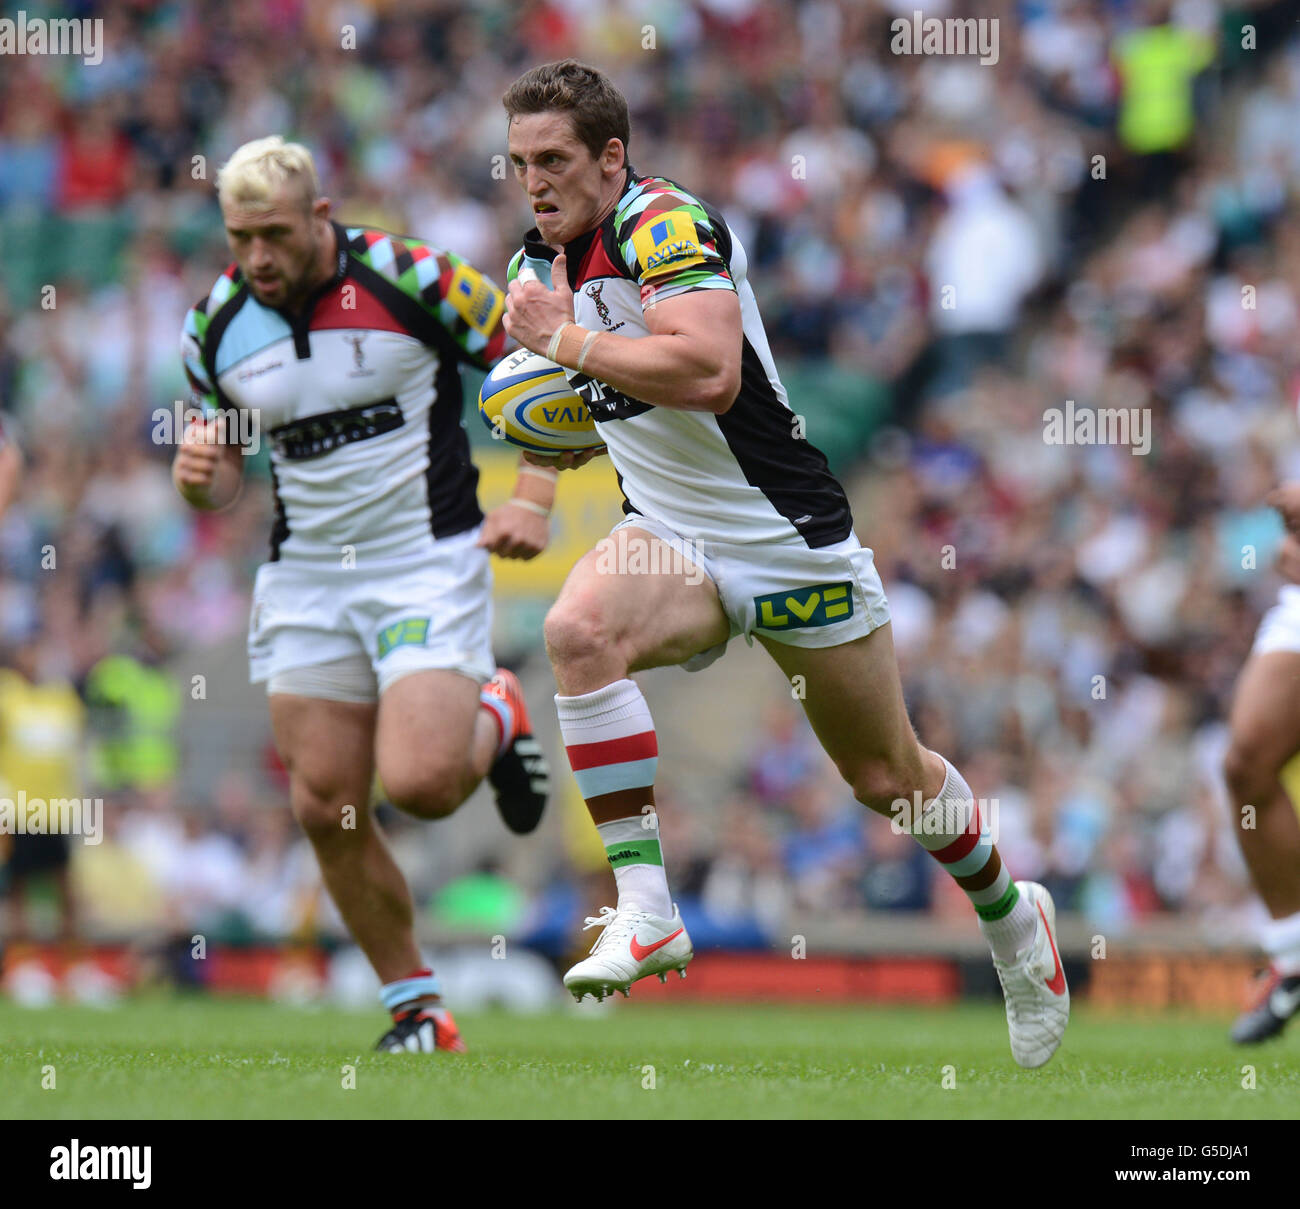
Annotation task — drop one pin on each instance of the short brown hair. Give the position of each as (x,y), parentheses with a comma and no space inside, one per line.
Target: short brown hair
(596,109)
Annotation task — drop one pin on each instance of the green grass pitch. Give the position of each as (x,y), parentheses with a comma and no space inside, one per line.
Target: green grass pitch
(194,1058)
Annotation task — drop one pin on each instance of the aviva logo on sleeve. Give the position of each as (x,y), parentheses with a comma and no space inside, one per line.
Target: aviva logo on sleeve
(803,608)
(667,243)
(475,299)
(411,632)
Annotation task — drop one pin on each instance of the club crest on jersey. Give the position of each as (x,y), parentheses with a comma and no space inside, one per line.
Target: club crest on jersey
(357,339)
(820,604)
(411,632)
(475,299)
(594,292)
(666,244)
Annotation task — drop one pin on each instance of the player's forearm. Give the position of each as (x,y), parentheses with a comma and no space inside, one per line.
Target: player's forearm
(536,485)
(680,371)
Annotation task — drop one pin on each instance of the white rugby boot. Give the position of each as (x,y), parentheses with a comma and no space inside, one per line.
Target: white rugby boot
(633,945)
(1038,1001)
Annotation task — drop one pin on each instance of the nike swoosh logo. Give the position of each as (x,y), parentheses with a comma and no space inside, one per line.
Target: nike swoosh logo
(1055,984)
(640,952)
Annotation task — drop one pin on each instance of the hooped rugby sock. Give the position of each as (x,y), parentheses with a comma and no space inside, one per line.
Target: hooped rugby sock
(610,740)
(951,829)
(1280,939)
(502,714)
(418,988)
(635,855)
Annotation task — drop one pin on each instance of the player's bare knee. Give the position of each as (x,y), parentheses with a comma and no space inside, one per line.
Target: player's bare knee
(577,632)
(431,794)
(1249,772)
(880,783)
(323,814)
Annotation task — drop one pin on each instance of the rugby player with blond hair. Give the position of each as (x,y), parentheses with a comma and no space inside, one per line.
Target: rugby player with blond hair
(371,620)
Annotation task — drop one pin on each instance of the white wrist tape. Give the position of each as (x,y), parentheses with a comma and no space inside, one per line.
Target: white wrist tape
(586,348)
(554,347)
(540,509)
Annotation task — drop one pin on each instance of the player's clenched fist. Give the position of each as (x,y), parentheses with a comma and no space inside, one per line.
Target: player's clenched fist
(533,312)
(196,460)
(512,531)
(203,470)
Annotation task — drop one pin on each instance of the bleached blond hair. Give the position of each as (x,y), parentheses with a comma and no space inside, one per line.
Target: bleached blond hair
(257,169)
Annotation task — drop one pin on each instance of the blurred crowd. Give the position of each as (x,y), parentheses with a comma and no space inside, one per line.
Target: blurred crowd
(1104,216)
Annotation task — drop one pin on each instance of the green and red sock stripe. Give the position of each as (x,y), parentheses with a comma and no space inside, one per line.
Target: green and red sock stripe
(969,855)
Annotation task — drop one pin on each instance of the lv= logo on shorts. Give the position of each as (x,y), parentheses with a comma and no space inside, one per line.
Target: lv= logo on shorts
(413,631)
(818,605)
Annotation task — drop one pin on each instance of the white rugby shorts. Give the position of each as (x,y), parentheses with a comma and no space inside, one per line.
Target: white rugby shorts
(399,617)
(788,592)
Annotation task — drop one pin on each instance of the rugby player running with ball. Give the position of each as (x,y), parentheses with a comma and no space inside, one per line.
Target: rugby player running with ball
(639,289)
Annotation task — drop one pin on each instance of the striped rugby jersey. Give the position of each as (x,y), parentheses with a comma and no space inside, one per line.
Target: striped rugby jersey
(359,396)
(745,476)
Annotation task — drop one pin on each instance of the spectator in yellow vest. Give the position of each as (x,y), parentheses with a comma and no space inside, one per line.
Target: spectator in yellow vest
(42,740)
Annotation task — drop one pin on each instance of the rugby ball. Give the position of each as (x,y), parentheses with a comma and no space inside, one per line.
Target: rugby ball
(527,401)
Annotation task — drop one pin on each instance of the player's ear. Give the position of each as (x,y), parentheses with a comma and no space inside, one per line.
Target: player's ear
(320,208)
(614,157)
